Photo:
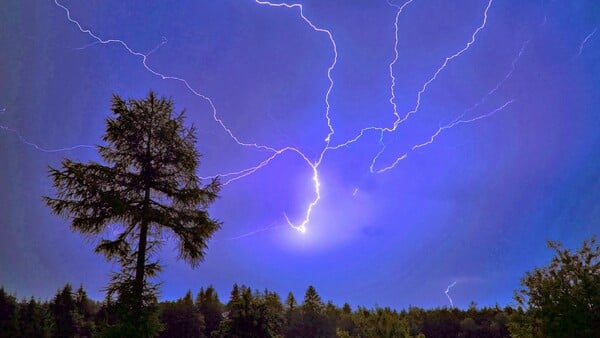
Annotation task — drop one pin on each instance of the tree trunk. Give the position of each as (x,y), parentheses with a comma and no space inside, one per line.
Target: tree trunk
(140,269)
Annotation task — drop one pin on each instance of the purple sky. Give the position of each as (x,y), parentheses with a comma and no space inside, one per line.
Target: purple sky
(462,136)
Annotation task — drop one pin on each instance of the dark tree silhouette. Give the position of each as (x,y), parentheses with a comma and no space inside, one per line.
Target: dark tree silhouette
(209,305)
(33,321)
(148,185)
(9,325)
(293,317)
(63,310)
(314,319)
(181,319)
(563,298)
(251,315)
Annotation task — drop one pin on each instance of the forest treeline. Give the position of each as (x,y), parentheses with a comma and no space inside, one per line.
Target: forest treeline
(248,313)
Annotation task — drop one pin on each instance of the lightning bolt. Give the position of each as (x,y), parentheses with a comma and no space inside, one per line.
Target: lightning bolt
(445,64)
(40,148)
(461,120)
(419,95)
(329,70)
(162,43)
(392,99)
(447,292)
(144,60)
(315,166)
(252,233)
(585,40)
(424,89)
(228,178)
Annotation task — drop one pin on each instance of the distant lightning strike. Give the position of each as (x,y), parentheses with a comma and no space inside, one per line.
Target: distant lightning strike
(252,233)
(314,165)
(461,121)
(42,149)
(585,40)
(162,43)
(513,66)
(447,292)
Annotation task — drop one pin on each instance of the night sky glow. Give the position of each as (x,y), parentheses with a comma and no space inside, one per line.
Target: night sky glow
(391,153)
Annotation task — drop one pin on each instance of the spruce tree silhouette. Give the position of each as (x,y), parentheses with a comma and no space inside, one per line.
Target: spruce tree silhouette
(147,185)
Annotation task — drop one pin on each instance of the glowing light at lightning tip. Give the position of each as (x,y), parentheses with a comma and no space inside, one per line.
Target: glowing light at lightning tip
(300,228)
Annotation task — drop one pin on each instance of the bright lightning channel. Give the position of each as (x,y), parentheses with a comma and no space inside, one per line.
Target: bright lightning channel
(315,166)
(396,55)
(331,67)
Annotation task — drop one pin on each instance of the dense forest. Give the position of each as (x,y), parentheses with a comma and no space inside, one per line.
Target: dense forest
(248,313)
(558,300)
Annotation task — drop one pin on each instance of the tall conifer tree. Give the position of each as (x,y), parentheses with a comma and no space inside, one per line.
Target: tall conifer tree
(147,184)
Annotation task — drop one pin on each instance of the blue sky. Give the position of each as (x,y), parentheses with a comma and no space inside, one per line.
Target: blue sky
(507,90)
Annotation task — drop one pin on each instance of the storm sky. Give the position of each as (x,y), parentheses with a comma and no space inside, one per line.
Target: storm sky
(438,142)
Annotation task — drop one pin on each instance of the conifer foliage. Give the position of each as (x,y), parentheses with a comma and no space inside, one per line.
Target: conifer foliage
(147,184)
